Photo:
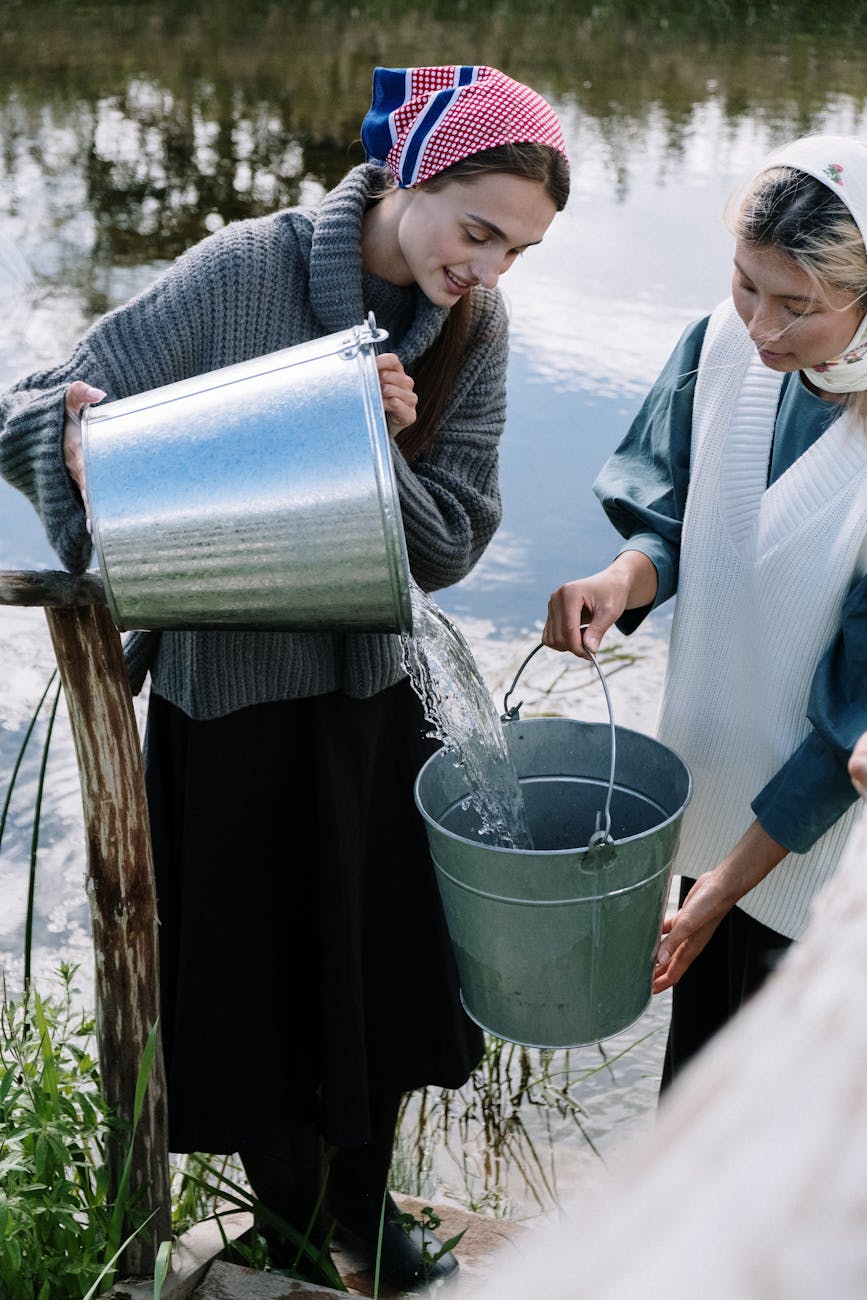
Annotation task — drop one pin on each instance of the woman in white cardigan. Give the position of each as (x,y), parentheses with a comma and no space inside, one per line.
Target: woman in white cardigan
(742,486)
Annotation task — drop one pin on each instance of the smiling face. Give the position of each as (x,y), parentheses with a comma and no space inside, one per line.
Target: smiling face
(793,324)
(448,238)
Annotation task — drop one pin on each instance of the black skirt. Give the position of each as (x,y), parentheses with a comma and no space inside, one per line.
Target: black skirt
(305,960)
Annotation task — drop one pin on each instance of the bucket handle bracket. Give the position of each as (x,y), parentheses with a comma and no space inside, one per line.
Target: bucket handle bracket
(601,837)
(364,336)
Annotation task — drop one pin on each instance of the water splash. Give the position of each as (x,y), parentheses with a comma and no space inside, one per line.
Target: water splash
(459,707)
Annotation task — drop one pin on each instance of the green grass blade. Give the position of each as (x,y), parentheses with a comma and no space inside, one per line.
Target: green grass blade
(122,1201)
(108,1267)
(34,842)
(14,777)
(161,1268)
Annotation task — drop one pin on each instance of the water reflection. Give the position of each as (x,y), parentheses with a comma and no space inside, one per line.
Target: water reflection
(131,130)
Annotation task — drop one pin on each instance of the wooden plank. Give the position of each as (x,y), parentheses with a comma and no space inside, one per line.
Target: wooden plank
(121,891)
(50,588)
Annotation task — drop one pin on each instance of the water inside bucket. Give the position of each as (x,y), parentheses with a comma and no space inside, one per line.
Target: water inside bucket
(459,707)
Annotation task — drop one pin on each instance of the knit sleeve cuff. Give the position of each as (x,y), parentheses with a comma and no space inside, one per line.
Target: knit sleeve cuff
(31,459)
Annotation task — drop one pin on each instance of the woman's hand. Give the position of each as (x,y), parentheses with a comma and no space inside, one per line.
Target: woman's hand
(398,393)
(596,603)
(858,766)
(77,395)
(712,897)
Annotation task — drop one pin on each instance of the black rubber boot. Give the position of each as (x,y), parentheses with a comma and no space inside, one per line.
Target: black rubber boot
(357,1189)
(288,1176)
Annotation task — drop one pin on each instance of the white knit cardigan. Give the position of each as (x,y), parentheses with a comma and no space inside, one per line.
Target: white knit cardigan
(764,572)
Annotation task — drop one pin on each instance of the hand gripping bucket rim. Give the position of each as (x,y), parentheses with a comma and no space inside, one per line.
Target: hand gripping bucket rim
(261,495)
(555,945)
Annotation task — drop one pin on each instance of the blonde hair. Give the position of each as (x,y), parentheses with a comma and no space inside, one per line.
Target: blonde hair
(800,216)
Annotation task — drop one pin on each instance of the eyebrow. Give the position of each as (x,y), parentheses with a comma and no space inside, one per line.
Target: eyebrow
(495,230)
(791,297)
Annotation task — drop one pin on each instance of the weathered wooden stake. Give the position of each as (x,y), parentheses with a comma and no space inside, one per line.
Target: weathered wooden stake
(120,872)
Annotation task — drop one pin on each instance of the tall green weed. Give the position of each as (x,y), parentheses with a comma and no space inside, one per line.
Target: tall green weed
(59,1222)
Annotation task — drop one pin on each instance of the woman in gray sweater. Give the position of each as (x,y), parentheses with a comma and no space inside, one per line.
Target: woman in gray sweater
(289,856)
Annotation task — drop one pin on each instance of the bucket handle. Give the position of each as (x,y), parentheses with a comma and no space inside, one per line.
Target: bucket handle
(602,833)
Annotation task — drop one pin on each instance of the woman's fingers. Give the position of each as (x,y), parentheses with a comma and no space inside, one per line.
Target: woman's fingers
(566,614)
(78,394)
(581,612)
(687,933)
(399,397)
(858,766)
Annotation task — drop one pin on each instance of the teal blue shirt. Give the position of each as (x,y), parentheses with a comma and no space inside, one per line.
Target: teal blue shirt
(643,489)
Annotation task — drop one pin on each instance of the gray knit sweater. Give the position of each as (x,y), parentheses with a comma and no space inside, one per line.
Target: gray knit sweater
(252,288)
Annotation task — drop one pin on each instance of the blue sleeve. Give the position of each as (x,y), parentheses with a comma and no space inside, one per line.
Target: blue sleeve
(812,789)
(643,486)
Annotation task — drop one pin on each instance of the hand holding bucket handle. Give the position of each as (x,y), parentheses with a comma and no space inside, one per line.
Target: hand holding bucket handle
(602,833)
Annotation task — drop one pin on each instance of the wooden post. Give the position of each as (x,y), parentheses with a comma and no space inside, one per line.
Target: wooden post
(120,871)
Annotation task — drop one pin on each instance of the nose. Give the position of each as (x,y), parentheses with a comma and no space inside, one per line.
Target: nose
(764,325)
(487,268)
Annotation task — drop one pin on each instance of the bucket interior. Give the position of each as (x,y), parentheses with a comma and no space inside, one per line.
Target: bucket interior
(561,812)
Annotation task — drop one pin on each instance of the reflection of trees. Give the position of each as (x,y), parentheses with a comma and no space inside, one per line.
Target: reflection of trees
(162,166)
(175,117)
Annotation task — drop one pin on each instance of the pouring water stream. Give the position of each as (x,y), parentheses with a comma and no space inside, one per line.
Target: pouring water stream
(462,714)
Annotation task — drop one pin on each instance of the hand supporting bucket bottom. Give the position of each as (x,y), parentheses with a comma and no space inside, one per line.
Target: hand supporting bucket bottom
(555,944)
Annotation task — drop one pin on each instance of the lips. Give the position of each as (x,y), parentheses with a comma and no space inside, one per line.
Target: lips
(767,355)
(456,285)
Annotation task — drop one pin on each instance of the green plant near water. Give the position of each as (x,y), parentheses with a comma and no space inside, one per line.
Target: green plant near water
(60,1224)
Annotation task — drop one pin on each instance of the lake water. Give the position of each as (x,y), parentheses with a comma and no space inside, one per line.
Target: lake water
(128,131)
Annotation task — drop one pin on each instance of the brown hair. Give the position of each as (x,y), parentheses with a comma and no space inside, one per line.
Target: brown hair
(436,371)
(798,215)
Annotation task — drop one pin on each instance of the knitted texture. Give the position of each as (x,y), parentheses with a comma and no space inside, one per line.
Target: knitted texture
(253,288)
(764,572)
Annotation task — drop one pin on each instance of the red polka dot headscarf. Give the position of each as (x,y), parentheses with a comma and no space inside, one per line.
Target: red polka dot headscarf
(423,120)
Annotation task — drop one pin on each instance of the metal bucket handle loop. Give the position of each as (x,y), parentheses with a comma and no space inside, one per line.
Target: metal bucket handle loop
(361,338)
(602,833)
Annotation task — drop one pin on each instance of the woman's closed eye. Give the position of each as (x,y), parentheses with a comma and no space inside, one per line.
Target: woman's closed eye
(798,313)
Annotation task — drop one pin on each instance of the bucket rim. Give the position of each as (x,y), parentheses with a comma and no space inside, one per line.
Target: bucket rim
(554,853)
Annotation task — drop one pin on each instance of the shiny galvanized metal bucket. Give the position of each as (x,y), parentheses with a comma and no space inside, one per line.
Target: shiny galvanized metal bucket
(261,495)
(555,945)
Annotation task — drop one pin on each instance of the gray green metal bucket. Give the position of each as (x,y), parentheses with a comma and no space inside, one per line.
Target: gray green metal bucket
(555,945)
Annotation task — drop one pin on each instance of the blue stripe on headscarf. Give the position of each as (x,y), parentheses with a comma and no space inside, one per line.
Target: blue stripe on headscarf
(427,122)
(390,86)
(391,89)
